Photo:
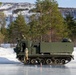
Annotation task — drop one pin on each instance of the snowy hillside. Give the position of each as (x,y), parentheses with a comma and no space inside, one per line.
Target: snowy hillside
(12,10)
(7,6)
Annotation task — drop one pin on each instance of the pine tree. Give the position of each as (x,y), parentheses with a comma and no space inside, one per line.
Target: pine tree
(1,38)
(48,19)
(2,20)
(0,3)
(2,25)
(71,24)
(18,28)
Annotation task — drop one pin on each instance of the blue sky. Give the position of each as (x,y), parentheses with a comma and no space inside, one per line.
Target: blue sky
(67,3)
(62,3)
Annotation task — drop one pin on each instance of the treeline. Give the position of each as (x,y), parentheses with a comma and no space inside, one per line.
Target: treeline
(46,24)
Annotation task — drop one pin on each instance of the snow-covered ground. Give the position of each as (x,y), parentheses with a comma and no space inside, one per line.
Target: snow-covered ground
(74,53)
(7,55)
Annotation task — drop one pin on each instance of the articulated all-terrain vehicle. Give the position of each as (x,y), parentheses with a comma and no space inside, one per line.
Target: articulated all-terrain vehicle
(49,53)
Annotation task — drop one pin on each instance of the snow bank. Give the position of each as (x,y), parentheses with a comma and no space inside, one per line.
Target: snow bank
(74,53)
(7,55)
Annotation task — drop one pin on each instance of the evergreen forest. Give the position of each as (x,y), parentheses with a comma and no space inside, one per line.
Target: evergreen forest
(47,24)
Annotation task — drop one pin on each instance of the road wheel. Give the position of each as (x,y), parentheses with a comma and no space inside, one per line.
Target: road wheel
(48,61)
(57,61)
(33,61)
(63,61)
(42,61)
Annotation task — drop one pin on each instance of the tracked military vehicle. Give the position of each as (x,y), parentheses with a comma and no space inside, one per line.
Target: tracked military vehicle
(49,53)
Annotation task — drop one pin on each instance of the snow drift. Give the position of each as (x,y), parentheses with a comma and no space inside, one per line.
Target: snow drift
(7,55)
